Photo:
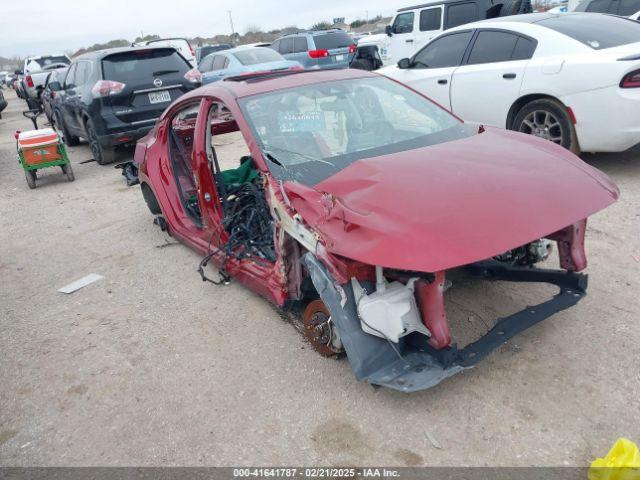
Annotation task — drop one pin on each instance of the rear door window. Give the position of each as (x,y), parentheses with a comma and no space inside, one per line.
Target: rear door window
(218,62)
(430,19)
(524,50)
(207,64)
(444,52)
(461,13)
(254,56)
(404,23)
(491,46)
(300,45)
(286,46)
(331,41)
(139,66)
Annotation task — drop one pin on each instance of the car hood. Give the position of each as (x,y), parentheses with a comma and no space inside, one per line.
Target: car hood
(452,204)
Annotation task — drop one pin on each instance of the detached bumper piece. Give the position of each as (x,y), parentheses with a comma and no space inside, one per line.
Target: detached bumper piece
(412,365)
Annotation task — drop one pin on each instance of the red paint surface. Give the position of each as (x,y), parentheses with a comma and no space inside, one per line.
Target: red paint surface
(430,298)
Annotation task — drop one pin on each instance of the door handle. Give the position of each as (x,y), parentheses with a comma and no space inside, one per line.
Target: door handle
(409,41)
(443,81)
(509,76)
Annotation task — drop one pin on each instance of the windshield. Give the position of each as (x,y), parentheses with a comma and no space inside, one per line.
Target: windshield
(310,133)
(595,30)
(254,56)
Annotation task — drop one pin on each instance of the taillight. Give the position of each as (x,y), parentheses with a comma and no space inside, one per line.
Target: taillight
(106,88)
(29,81)
(318,53)
(352,48)
(193,52)
(631,80)
(193,75)
(53,94)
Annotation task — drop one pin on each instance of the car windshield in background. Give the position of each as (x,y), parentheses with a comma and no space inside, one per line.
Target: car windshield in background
(45,62)
(310,133)
(139,65)
(204,51)
(253,56)
(330,41)
(595,30)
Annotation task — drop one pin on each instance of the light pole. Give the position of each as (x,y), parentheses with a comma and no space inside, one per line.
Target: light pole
(231,23)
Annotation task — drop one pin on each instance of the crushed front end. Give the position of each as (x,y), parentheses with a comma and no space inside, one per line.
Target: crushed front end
(393,325)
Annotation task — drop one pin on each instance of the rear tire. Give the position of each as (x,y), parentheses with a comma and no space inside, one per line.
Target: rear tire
(101,154)
(550,120)
(69,140)
(31,178)
(150,199)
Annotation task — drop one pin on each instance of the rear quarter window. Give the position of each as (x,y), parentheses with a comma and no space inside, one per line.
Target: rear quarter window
(331,41)
(138,66)
(595,30)
(461,13)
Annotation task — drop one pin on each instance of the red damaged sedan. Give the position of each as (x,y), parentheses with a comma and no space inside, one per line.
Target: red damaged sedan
(355,196)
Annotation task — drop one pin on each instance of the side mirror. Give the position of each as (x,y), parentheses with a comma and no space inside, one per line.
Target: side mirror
(388,30)
(404,64)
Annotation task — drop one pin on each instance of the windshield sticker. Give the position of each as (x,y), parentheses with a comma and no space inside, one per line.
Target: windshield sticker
(294,122)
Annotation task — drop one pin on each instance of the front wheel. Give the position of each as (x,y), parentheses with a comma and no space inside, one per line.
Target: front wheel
(68,171)
(101,154)
(31,178)
(550,120)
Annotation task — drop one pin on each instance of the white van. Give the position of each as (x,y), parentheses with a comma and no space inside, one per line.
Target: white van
(411,28)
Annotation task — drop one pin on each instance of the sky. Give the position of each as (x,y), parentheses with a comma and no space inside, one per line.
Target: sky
(54,26)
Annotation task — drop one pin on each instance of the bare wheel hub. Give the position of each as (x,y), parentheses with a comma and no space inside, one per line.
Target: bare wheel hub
(319,329)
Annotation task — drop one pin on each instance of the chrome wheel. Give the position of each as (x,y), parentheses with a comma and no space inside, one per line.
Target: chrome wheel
(543,124)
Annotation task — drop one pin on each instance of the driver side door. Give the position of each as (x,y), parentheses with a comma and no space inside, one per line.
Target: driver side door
(431,70)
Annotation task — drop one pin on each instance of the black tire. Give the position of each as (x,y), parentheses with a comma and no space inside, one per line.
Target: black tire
(69,140)
(31,178)
(362,64)
(68,171)
(150,199)
(549,119)
(101,154)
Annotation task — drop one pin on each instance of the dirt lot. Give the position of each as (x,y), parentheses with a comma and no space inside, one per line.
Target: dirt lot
(150,366)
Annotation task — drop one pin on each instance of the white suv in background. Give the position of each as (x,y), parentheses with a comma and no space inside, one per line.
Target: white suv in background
(413,27)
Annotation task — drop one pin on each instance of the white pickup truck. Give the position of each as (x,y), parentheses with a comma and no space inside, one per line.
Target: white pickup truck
(412,28)
(35,72)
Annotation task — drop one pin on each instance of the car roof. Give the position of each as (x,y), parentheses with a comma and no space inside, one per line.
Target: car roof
(266,83)
(100,54)
(313,32)
(515,20)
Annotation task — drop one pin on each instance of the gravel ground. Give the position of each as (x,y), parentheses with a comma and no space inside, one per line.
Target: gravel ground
(150,366)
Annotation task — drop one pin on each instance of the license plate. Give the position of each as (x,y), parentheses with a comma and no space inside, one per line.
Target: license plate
(159,97)
(339,58)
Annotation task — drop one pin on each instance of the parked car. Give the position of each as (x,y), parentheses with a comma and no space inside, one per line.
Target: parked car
(182,45)
(206,50)
(113,97)
(623,8)
(317,49)
(553,76)
(36,70)
(52,86)
(354,199)
(241,61)
(413,27)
